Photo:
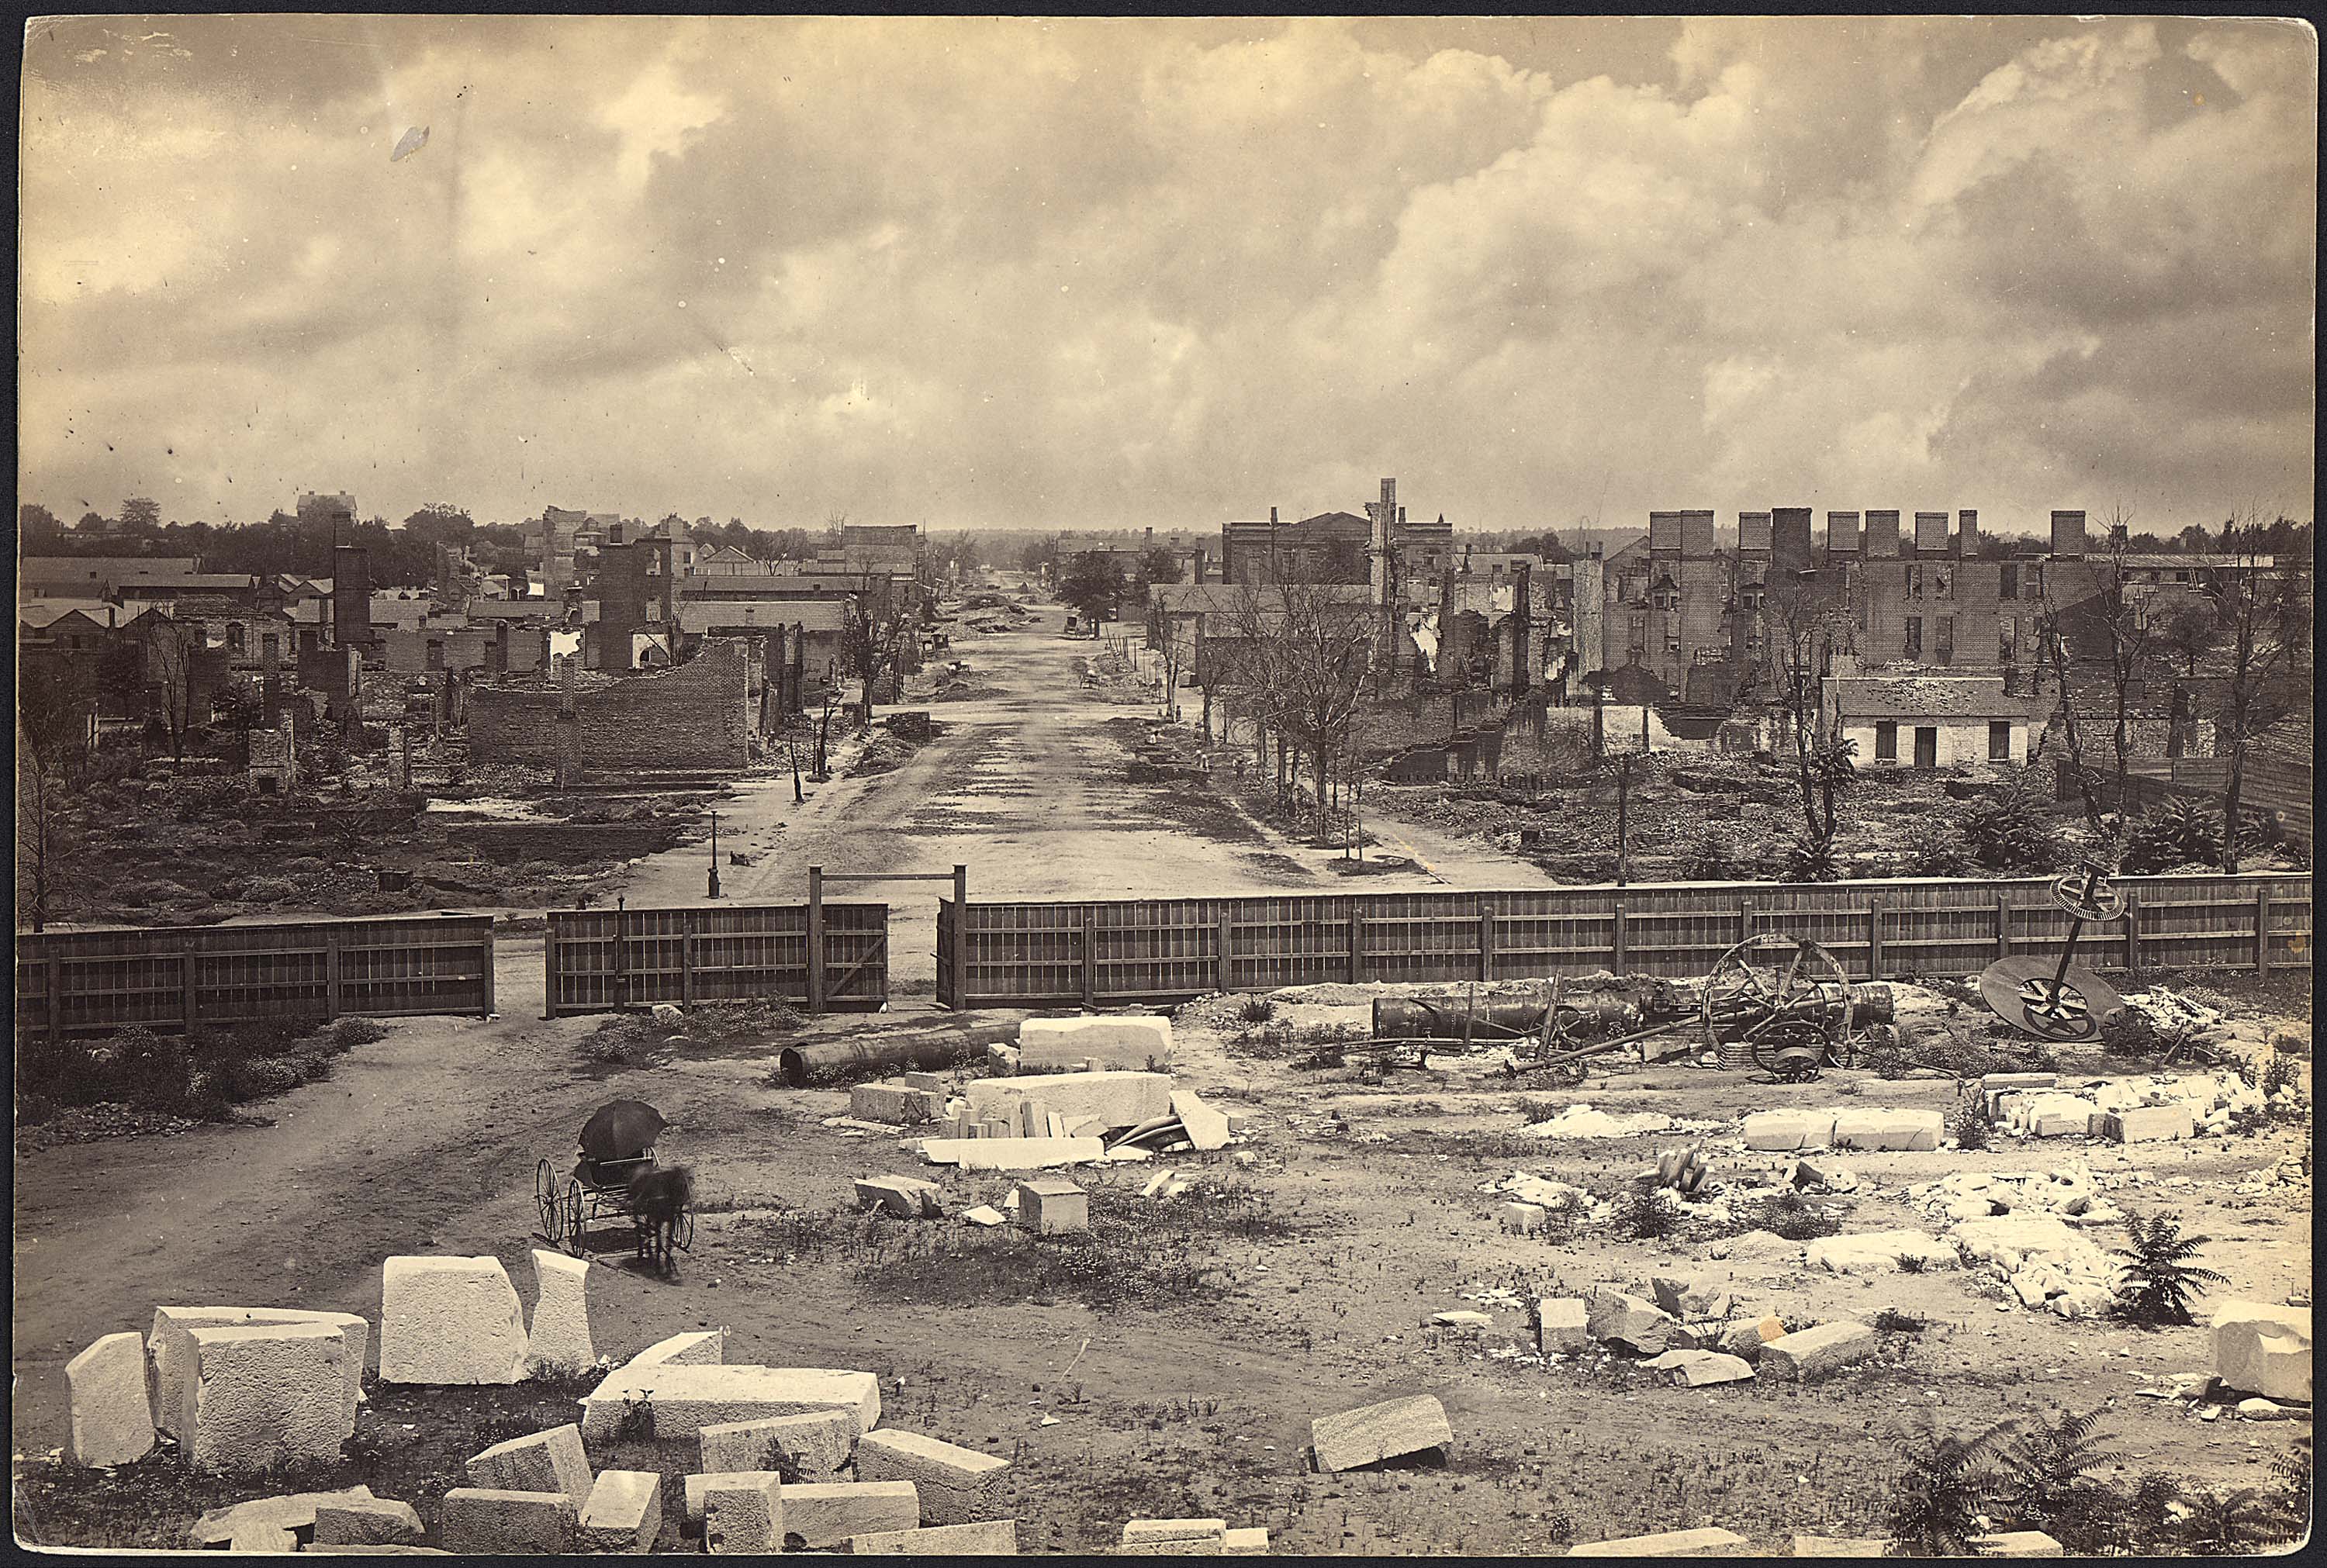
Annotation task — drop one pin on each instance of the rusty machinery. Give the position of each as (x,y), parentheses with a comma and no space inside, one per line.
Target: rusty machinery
(1774,1002)
(2059,1002)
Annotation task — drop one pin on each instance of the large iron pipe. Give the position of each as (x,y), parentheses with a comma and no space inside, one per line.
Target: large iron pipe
(1489,1017)
(854,1060)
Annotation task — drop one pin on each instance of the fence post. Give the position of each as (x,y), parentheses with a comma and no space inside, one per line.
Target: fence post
(1357,943)
(686,959)
(2132,932)
(1486,940)
(187,983)
(960,937)
(2262,930)
(815,938)
(1091,955)
(1874,937)
(621,956)
(56,998)
(1226,951)
(2003,927)
(1622,960)
(1744,919)
(489,1008)
(331,971)
(549,966)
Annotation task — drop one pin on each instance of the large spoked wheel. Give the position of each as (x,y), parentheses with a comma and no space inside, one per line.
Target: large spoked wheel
(548,1204)
(682,1231)
(1771,980)
(577,1208)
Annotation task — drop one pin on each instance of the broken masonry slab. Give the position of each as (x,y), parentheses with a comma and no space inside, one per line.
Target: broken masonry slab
(827,1513)
(1138,1044)
(112,1412)
(1691,1297)
(1616,1317)
(743,1516)
(686,1399)
(1053,1206)
(2018,1543)
(906,1197)
(2262,1349)
(263,1538)
(1747,1336)
(985,1214)
(1374,1432)
(814,1445)
(367,1522)
(169,1346)
(445,1320)
(559,1338)
(1120,1099)
(1247,1542)
(2150,1124)
(1174,1537)
(697,1487)
(954,1484)
(1206,1128)
(624,1513)
(1814,1352)
(268,1395)
(1705,1543)
(1008,1154)
(1779,1130)
(1560,1323)
(1523,1218)
(706,1348)
(484,1522)
(1841,1546)
(895,1102)
(986,1538)
(1878,1252)
(541,1461)
(290,1511)
(1890,1129)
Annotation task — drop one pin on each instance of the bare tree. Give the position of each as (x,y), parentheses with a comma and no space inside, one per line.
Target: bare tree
(1305,655)
(2054,636)
(2264,616)
(52,738)
(1806,633)
(2128,646)
(174,669)
(874,635)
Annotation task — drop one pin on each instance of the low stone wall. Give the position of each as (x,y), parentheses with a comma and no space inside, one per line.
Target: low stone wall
(697,715)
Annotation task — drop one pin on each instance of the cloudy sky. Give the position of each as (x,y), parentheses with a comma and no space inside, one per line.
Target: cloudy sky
(1169,273)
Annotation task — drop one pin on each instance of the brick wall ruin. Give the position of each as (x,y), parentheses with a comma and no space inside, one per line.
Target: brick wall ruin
(696,715)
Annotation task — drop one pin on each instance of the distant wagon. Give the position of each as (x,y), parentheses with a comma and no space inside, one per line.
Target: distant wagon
(615,1176)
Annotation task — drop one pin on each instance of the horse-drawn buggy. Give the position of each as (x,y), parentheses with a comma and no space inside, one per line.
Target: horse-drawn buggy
(615,1178)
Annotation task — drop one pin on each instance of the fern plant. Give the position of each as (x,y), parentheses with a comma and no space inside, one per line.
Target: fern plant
(2012,829)
(2227,1523)
(2159,1276)
(1936,846)
(1967,1122)
(2179,831)
(1809,858)
(2045,1483)
(1935,1511)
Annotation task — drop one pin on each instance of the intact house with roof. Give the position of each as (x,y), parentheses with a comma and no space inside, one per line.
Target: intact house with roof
(1915,720)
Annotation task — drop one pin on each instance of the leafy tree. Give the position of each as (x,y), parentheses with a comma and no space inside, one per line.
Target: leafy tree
(1040,555)
(1093,586)
(2189,633)
(141,512)
(37,527)
(1156,566)
(2159,1276)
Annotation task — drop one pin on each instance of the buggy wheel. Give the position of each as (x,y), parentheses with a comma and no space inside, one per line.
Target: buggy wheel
(576,1210)
(548,1211)
(682,1231)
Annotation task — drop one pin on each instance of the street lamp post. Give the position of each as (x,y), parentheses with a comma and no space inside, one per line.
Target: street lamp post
(715,854)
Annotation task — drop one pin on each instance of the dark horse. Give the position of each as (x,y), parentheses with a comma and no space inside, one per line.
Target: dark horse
(659,1197)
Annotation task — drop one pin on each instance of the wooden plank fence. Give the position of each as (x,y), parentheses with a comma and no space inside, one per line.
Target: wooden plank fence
(821,955)
(1116,952)
(169,979)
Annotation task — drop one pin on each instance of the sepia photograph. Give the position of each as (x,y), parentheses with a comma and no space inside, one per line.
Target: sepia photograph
(1481,787)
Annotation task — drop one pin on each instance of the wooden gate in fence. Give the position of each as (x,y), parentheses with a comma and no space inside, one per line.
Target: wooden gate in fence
(1116,952)
(94,980)
(825,956)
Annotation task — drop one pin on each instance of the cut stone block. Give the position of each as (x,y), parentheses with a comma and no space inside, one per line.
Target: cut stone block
(1136,1044)
(264,1538)
(169,1345)
(1120,1099)
(624,1513)
(897,1103)
(1001,1060)
(707,1348)
(697,1488)
(1616,1318)
(2150,1124)
(1707,1543)
(541,1461)
(291,1511)
(1249,1542)
(112,1411)
(1884,1129)
(1374,1432)
(559,1339)
(2018,1543)
(1814,1352)
(1000,1152)
(482,1522)
(268,1395)
(1878,1252)
(1993,1081)
(373,1522)
(686,1399)
(1033,1119)
(743,1517)
(449,1321)
(923,1081)
(986,1538)
(1174,1537)
(956,1484)
(1523,1218)
(1053,1207)
(813,1446)
(827,1513)
(1561,1323)
(2262,1349)
(1787,1130)
(1206,1127)
(906,1197)
(1699,1368)
(1841,1546)
(1745,1337)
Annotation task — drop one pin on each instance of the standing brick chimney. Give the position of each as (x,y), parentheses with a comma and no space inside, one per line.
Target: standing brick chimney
(1967,535)
(351,596)
(1931,533)
(1841,534)
(1789,538)
(2069,535)
(1881,535)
